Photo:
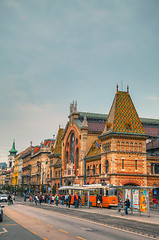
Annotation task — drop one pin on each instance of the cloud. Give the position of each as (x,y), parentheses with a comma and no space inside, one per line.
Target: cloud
(152,98)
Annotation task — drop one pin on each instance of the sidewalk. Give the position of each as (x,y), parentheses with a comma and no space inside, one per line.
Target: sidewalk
(154,219)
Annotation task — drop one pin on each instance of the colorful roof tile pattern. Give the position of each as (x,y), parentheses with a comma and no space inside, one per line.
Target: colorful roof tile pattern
(123,116)
(58,146)
(95,150)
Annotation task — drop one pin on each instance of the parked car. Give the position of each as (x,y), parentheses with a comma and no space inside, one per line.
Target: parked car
(3,198)
(1,213)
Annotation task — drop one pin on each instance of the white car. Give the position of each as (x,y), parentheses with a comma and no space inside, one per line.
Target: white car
(3,198)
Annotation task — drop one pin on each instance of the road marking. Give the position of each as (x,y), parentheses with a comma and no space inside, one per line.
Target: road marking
(81,238)
(40,221)
(24,226)
(50,225)
(63,231)
(45,238)
(101,224)
(33,232)
(4,231)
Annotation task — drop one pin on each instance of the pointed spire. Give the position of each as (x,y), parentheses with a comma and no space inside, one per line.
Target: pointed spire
(85,123)
(13,151)
(127,89)
(117,91)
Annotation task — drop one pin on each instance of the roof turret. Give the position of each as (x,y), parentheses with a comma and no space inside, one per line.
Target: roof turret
(13,151)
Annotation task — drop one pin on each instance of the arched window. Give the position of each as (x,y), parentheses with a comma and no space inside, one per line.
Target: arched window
(50,173)
(122,146)
(135,147)
(67,156)
(107,166)
(94,170)
(135,164)
(131,147)
(122,163)
(77,157)
(118,146)
(100,168)
(140,147)
(127,147)
(72,147)
(88,170)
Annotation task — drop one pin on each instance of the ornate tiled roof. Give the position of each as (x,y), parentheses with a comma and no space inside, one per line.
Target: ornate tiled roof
(123,117)
(95,149)
(58,146)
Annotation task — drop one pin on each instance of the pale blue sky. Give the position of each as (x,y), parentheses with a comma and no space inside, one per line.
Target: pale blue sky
(55,51)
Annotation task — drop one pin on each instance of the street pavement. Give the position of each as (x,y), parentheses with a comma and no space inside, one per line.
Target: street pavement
(83,223)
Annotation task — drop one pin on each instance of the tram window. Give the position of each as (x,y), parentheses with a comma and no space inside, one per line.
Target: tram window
(110,191)
(106,192)
(115,191)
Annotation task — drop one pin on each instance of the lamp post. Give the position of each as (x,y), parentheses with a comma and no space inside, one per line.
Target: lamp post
(84,171)
(61,176)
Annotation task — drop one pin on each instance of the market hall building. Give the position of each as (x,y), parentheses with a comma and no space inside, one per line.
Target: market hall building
(118,153)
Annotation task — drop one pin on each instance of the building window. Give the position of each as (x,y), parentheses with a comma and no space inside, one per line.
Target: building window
(135,147)
(94,170)
(77,157)
(107,166)
(122,146)
(127,147)
(135,164)
(156,168)
(72,147)
(123,164)
(50,173)
(151,168)
(140,147)
(67,156)
(88,170)
(131,147)
(118,146)
(99,168)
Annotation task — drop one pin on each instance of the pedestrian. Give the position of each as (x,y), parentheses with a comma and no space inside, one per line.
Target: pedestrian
(30,198)
(76,200)
(155,202)
(36,199)
(40,198)
(57,200)
(69,200)
(66,199)
(100,201)
(9,199)
(52,199)
(127,205)
(62,199)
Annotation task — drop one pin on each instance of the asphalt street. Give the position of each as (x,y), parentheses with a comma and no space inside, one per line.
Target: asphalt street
(74,224)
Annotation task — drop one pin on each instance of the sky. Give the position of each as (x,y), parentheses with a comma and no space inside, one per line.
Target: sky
(55,51)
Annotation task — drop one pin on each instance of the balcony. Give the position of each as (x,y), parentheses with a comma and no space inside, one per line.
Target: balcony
(69,172)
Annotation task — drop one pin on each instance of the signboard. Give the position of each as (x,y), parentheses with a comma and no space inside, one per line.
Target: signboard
(44,187)
(143,201)
(128,194)
(49,188)
(135,194)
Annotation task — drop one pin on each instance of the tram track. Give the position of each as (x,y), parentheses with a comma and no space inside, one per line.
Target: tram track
(146,229)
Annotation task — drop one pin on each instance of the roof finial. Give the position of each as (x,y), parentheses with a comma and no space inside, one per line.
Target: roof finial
(127,89)
(117,89)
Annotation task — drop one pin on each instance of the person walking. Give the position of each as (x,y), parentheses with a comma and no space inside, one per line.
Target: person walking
(9,200)
(66,199)
(127,205)
(69,200)
(57,200)
(100,201)
(76,200)
(40,199)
